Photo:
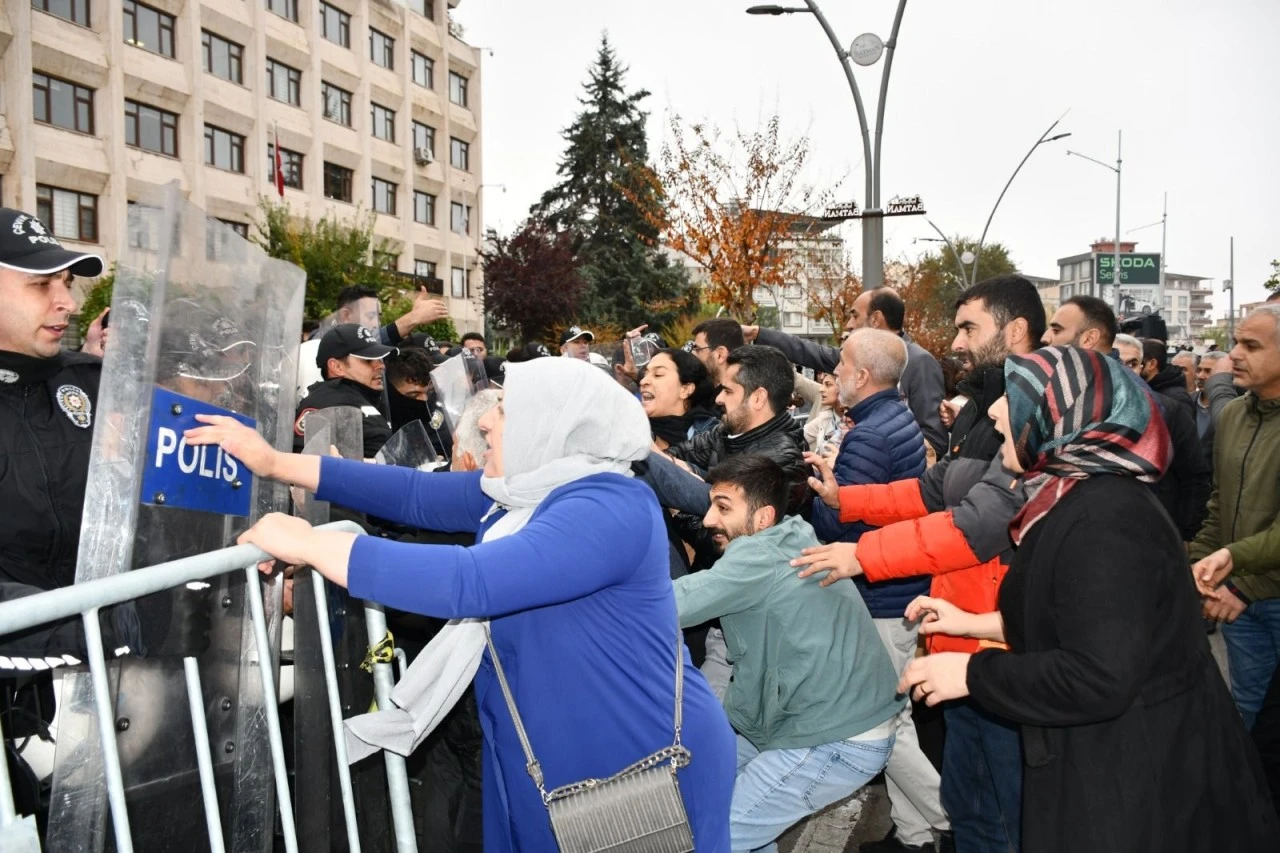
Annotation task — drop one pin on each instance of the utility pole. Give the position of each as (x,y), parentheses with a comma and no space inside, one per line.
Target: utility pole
(1231,292)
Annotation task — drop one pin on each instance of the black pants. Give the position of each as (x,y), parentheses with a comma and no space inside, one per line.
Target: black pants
(1266,735)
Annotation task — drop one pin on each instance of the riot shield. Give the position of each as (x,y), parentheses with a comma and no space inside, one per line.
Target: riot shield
(455,382)
(202,321)
(410,447)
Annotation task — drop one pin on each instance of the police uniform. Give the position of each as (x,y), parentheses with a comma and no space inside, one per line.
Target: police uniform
(347,340)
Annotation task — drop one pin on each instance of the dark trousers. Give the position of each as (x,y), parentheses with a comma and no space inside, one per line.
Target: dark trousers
(982,780)
(1266,735)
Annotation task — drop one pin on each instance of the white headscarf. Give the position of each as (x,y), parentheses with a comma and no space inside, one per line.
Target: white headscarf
(564,420)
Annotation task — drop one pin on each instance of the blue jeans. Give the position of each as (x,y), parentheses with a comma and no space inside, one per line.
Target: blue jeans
(1253,648)
(982,780)
(778,787)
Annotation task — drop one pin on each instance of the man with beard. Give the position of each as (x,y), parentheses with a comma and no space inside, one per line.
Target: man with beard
(812,700)
(713,341)
(953,523)
(1163,377)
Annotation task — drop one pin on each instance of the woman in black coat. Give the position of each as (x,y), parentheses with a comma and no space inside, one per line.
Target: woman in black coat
(1130,737)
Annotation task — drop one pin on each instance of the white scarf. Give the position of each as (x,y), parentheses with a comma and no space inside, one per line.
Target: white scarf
(564,420)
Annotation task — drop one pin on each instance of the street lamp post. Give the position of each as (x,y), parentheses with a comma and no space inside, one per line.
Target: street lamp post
(1115,248)
(872,216)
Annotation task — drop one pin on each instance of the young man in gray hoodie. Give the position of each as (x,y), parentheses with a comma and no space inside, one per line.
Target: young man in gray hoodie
(813,696)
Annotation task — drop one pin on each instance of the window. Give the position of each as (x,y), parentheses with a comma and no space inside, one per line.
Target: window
(219,245)
(337,103)
(1086,269)
(792,318)
(75,11)
(458,283)
(290,165)
(424,69)
(150,129)
(425,8)
(384,196)
(386,260)
(425,269)
(1064,272)
(459,218)
(382,49)
(424,208)
(147,28)
(284,83)
(62,104)
(223,149)
(383,122)
(241,228)
(284,8)
(71,215)
(424,138)
(457,89)
(335,25)
(337,182)
(140,229)
(223,58)
(792,291)
(459,154)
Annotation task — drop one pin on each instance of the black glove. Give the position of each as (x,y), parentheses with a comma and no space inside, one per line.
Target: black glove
(172,623)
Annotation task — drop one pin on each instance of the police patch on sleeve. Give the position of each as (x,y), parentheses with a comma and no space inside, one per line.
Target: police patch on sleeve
(437,419)
(8,377)
(300,426)
(75,404)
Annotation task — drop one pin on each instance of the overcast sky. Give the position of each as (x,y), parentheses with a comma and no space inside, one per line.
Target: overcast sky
(1193,86)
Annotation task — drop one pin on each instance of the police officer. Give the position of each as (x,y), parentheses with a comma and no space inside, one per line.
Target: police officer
(350,359)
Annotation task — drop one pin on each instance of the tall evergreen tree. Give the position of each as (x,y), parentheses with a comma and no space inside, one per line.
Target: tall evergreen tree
(606,196)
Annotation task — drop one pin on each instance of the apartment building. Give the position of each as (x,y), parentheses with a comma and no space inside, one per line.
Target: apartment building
(376,105)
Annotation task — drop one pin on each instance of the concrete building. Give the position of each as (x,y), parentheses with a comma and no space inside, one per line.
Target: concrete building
(1186,303)
(819,258)
(376,105)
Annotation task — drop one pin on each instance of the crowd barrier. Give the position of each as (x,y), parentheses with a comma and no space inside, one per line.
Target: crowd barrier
(18,833)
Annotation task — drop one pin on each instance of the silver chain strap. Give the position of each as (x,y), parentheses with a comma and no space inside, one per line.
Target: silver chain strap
(677,754)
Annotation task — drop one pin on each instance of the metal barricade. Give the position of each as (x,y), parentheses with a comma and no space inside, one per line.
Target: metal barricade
(18,834)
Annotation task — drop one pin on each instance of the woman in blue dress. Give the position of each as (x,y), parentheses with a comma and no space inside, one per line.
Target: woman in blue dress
(571,571)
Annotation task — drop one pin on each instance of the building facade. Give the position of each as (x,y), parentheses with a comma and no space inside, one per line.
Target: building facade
(818,253)
(376,106)
(1185,304)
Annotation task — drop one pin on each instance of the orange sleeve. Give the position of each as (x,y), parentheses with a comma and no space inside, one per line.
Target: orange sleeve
(882,504)
(931,545)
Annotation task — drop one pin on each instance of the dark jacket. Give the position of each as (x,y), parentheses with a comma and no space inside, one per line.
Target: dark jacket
(1219,390)
(1185,487)
(47,414)
(884,445)
(343,392)
(922,384)
(953,522)
(1172,382)
(781,439)
(1131,741)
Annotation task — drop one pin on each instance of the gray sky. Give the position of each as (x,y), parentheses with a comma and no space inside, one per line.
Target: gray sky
(1193,85)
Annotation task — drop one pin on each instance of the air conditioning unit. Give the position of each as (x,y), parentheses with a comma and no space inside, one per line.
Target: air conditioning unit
(423,156)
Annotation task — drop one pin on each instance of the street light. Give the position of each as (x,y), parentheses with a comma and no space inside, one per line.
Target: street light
(872,216)
(1115,263)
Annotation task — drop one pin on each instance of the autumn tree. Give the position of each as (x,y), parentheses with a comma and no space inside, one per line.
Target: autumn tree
(736,204)
(954,274)
(532,279)
(831,286)
(930,316)
(606,198)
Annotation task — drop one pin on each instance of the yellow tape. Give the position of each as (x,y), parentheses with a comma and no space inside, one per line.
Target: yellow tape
(384,652)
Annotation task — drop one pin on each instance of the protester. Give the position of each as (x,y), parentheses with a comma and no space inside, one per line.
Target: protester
(954,524)
(1131,741)
(885,445)
(823,428)
(1237,551)
(1163,377)
(1189,364)
(572,573)
(351,366)
(713,341)
(678,397)
(1216,390)
(474,343)
(812,698)
(881,308)
(576,342)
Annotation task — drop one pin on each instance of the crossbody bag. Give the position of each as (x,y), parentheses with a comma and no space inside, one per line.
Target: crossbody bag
(638,810)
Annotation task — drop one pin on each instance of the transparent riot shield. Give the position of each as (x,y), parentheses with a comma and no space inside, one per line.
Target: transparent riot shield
(455,382)
(410,447)
(319,791)
(202,321)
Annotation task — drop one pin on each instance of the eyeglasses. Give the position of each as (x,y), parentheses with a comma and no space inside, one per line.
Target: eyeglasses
(693,348)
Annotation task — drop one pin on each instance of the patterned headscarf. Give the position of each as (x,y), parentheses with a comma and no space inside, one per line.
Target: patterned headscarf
(1075,414)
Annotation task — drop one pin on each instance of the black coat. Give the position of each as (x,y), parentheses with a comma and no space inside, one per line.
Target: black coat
(1130,738)
(343,392)
(1185,488)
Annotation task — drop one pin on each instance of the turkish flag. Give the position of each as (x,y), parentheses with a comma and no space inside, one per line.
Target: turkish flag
(279,164)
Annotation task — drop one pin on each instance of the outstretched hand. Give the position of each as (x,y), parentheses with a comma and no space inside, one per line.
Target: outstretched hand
(826,488)
(242,442)
(937,616)
(839,560)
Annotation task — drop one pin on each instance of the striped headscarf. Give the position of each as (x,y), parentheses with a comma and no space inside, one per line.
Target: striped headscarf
(1075,414)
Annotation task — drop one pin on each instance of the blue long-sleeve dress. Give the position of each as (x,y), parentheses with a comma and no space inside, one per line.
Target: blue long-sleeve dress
(583,615)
